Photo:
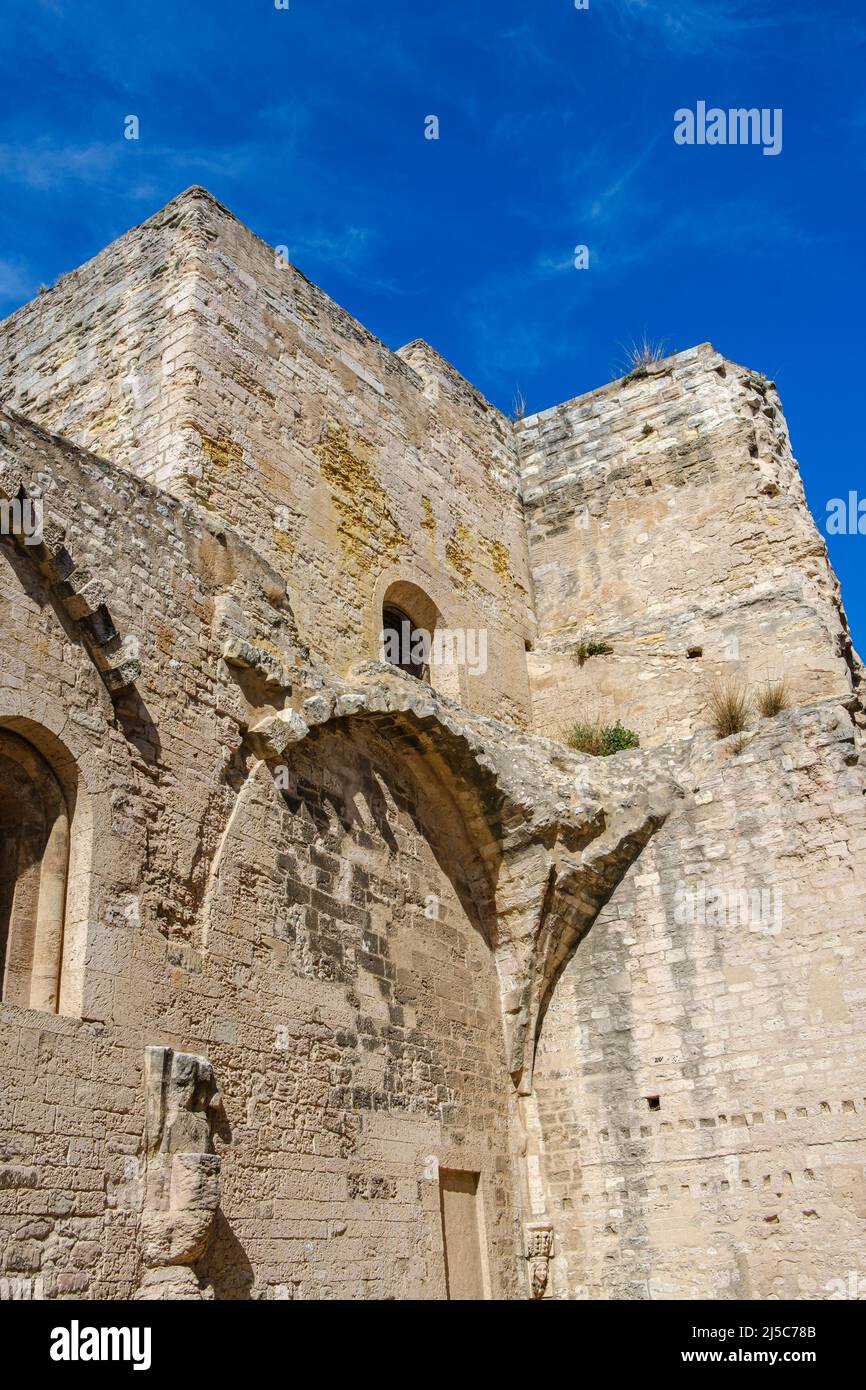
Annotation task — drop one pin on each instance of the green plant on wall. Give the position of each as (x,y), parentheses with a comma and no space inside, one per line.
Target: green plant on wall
(601,740)
(592,648)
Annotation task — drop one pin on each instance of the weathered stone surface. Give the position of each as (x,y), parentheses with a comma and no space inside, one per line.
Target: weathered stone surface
(182,1189)
(744,1177)
(181,1173)
(274,735)
(427,949)
(667,520)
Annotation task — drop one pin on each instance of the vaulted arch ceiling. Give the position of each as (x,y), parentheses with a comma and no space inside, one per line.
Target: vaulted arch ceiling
(552,832)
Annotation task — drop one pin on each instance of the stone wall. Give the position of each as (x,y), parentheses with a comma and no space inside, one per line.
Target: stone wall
(192,354)
(316,987)
(667,521)
(373,1054)
(71,1120)
(700,1069)
(321,940)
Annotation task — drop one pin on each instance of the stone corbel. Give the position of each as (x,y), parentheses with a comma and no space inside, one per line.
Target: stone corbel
(83,595)
(539,1249)
(182,1187)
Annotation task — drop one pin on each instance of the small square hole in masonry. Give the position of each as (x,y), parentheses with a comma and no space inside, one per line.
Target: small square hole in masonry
(653,1103)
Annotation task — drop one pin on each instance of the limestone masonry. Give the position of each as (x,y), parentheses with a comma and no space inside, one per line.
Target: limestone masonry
(325,976)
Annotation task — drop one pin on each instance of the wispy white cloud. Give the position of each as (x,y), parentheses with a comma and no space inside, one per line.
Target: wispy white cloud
(510,348)
(345,248)
(509,351)
(553,264)
(525,39)
(347,252)
(694,26)
(744,227)
(48,165)
(608,204)
(16,281)
(124,167)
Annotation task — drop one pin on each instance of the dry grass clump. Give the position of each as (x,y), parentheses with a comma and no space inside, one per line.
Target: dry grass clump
(773,697)
(642,353)
(639,356)
(598,739)
(732,703)
(730,707)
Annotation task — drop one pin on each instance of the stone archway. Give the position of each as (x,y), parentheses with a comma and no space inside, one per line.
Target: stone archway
(34,865)
(349,905)
(543,834)
(65,779)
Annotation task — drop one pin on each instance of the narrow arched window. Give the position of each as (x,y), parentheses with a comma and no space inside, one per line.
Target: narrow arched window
(34,861)
(404,644)
(412,635)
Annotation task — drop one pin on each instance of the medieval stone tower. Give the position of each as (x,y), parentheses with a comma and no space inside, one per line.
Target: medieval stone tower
(325,976)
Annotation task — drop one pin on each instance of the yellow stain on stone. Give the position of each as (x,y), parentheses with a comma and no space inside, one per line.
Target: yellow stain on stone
(105,422)
(457,551)
(570,625)
(223,452)
(366,523)
(428,521)
(165,638)
(268,648)
(498,557)
(284,543)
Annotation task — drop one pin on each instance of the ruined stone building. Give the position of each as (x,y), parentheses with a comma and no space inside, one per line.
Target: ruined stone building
(325,976)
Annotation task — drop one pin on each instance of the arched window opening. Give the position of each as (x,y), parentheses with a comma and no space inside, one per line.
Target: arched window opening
(34,861)
(413,635)
(403,644)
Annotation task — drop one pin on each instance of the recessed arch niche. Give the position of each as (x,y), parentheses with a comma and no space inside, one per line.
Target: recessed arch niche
(408,620)
(43,848)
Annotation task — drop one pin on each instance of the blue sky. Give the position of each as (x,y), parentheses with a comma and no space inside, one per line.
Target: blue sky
(556,129)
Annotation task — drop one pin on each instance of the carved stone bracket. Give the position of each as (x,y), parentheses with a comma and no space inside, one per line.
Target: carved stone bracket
(83,595)
(182,1188)
(539,1248)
